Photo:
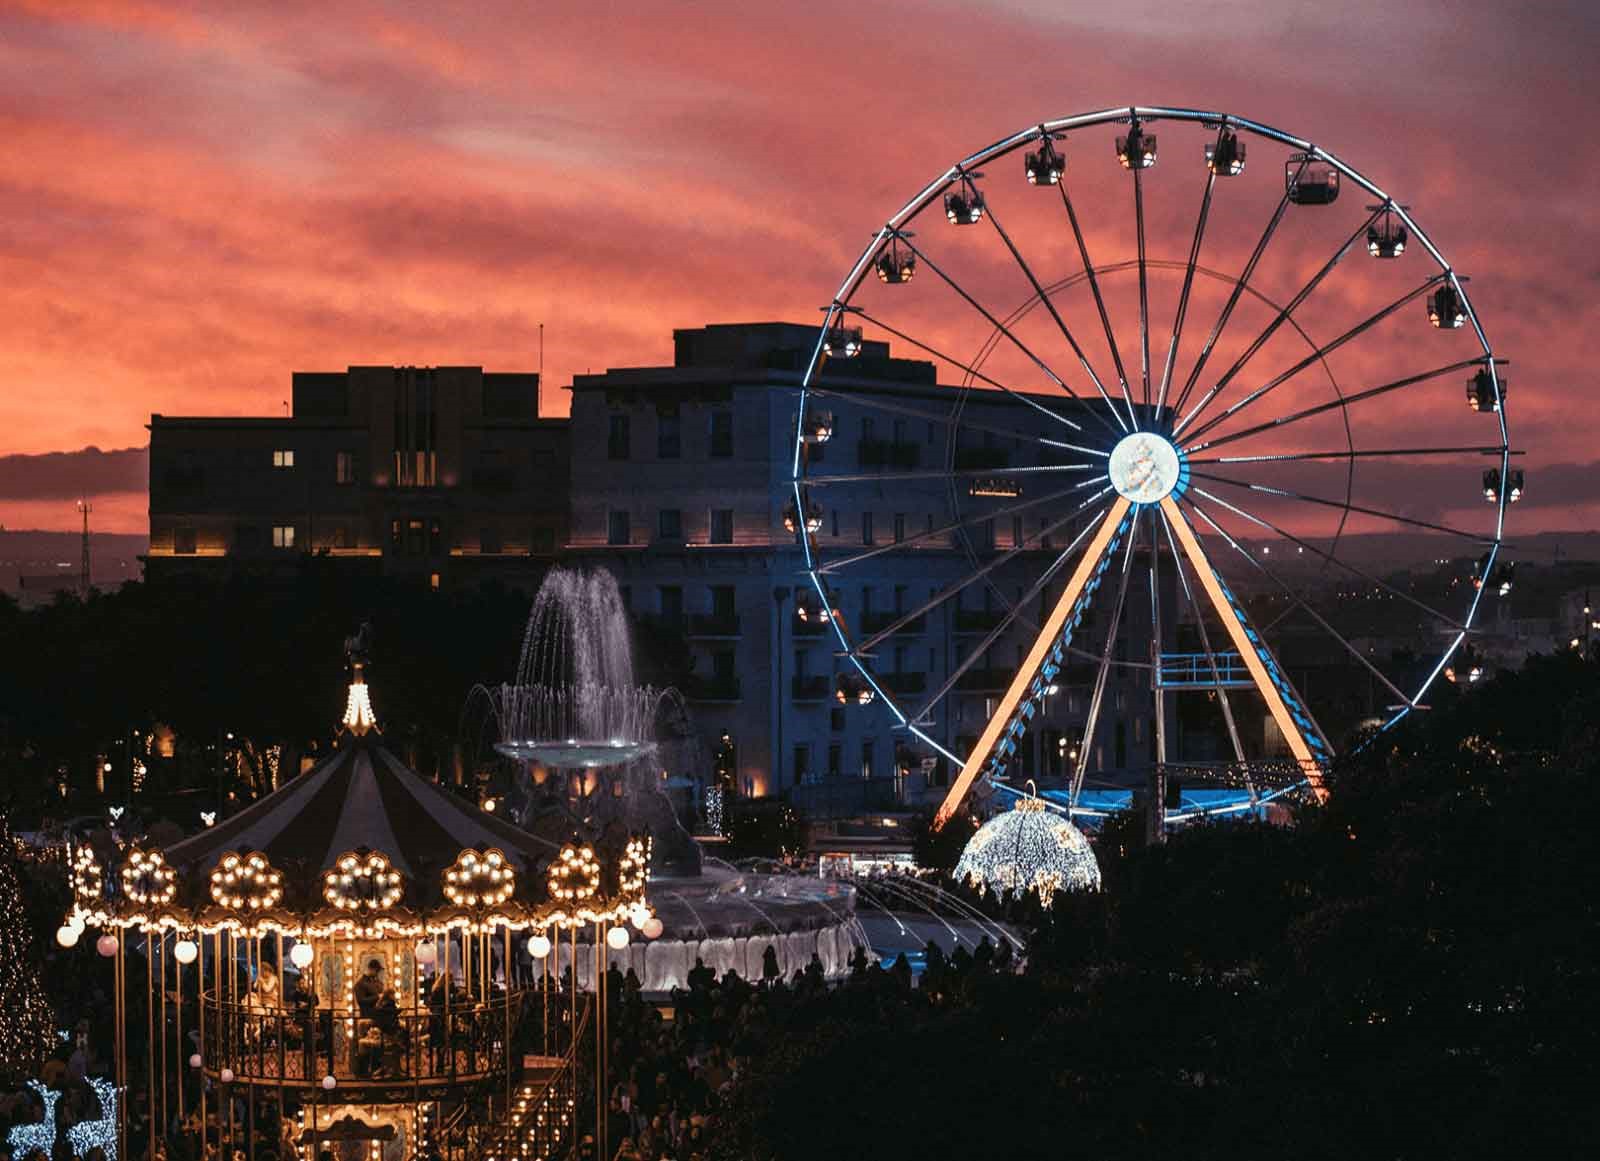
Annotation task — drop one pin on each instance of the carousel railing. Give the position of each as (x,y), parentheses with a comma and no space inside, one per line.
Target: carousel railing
(541,1118)
(466,1040)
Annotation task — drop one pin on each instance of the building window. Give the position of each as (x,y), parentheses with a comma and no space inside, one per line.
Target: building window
(415,543)
(283,458)
(344,467)
(899,527)
(722,602)
(396,536)
(1016,532)
(283,536)
(489,541)
(617,528)
(435,538)
(866,528)
(867,746)
(835,758)
(802,763)
(669,598)
(619,439)
(836,720)
(669,433)
(433,581)
(721,435)
(183,541)
(669,524)
(722,526)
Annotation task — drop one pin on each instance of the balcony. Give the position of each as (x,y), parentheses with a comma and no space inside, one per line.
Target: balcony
(809,688)
(984,680)
(713,688)
(903,683)
(887,453)
(978,620)
(714,625)
(878,622)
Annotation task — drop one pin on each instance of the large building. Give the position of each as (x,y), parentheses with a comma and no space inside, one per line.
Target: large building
(679,484)
(440,473)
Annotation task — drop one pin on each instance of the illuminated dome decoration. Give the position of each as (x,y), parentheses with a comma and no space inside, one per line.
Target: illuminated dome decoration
(242,882)
(362,882)
(574,883)
(479,879)
(1029,848)
(358,715)
(147,880)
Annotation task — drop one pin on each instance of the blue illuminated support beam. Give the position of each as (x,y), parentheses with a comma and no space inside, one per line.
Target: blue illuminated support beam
(1305,740)
(1022,699)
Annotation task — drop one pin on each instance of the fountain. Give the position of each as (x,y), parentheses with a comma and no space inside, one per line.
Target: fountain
(576,708)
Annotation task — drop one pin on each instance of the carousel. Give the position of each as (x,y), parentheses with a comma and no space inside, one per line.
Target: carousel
(359,966)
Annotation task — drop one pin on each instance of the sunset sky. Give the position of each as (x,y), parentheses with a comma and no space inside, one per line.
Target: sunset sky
(193,205)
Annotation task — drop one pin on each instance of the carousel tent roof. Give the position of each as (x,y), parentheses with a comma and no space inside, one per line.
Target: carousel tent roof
(361,796)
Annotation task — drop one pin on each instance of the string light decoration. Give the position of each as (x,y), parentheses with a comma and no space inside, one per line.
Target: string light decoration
(358,715)
(574,880)
(27,1022)
(88,880)
(1029,848)
(147,880)
(100,1133)
(479,879)
(363,882)
(634,868)
(246,882)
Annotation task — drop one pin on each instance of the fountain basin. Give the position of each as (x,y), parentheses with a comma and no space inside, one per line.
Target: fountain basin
(575,753)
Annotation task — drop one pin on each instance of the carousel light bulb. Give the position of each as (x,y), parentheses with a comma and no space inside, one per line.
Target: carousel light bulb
(194,1060)
(226,1076)
(639,915)
(539,946)
(652,927)
(185,951)
(76,922)
(106,945)
(617,938)
(330,1082)
(301,955)
(67,935)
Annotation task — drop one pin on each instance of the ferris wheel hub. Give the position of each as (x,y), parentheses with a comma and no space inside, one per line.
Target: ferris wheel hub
(1145,467)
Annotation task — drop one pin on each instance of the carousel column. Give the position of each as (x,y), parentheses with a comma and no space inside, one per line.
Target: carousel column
(151,1112)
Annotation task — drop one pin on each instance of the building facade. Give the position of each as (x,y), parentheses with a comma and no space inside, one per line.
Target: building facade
(444,474)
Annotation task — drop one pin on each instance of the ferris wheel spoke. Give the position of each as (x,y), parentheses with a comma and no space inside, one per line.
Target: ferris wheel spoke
(957,363)
(1262,522)
(1282,317)
(1188,286)
(1094,284)
(1061,324)
(1098,695)
(1156,638)
(1298,601)
(988,316)
(1287,457)
(1012,616)
(1144,285)
(1057,629)
(1234,295)
(1205,640)
(1320,353)
(843,563)
(946,474)
(972,578)
(944,419)
(1378,513)
(1343,402)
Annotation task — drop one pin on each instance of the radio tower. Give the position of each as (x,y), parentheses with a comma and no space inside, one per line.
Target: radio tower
(83,569)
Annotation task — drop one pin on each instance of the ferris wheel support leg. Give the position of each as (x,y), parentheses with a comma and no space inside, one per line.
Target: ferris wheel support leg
(1078,586)
(1305,743)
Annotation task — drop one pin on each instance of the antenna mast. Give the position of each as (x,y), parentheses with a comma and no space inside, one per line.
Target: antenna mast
(83,568)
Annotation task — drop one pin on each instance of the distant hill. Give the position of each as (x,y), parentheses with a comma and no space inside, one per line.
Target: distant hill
(51,559)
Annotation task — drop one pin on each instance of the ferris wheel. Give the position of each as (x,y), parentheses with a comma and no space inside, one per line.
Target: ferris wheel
(1164,418)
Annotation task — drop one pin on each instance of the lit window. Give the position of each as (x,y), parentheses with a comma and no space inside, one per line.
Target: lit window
(283,458)
(283,536)
(433,581)
(344,467)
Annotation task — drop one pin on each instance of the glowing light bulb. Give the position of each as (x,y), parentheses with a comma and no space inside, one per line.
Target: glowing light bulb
(67,935)
(539,946)
(185,951)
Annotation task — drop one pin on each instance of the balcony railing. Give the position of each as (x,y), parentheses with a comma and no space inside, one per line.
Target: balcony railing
(846,796)
(887,453)
(902,683)
(978,620)
(809,688)
(877,622)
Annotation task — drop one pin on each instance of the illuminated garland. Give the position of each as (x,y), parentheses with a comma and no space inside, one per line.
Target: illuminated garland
(241,882)
(147,880)
(88,880)
(479,878)
(634,868)
(1029,849)
(363,883)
